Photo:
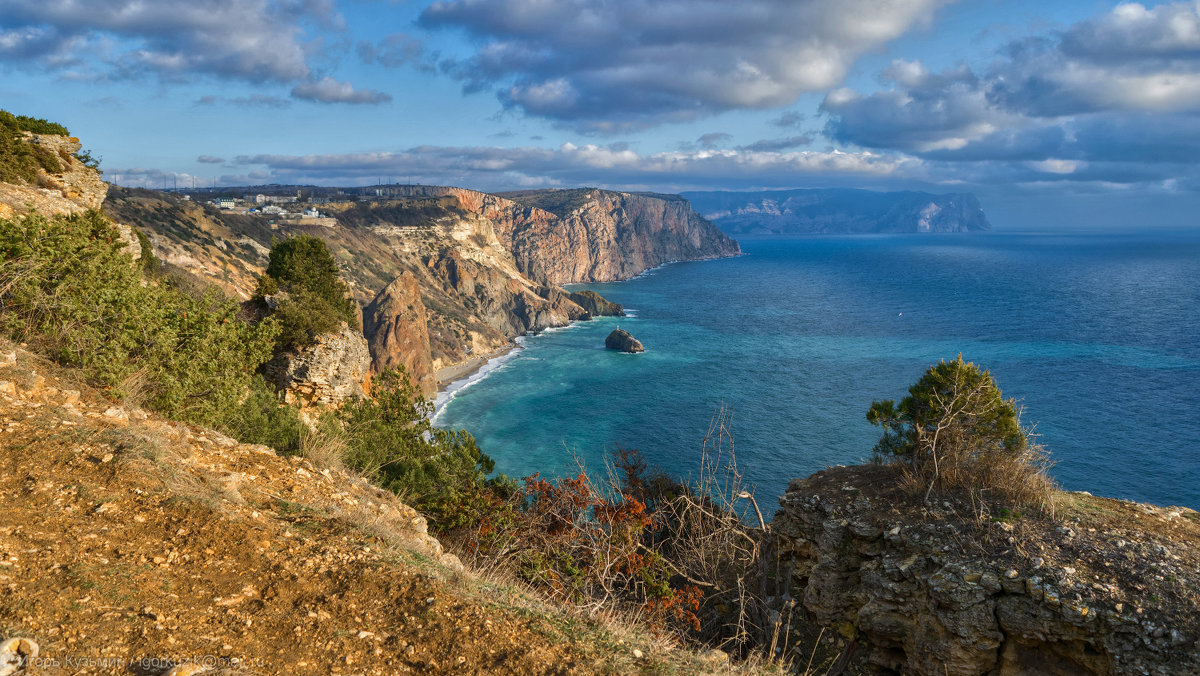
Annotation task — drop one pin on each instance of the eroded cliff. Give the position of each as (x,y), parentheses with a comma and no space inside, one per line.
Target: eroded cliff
(487,267)
(1100,587)
(602,235)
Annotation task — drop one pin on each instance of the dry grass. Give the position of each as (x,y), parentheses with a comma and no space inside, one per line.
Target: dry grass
(992,478)
(323,449)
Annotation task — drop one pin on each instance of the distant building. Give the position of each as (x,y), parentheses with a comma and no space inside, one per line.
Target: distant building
(227,203)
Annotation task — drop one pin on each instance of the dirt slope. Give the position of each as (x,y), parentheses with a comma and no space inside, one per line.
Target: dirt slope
(129,544)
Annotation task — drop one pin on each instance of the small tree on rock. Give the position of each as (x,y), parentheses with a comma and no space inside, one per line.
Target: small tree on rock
(314,299)
(956,430)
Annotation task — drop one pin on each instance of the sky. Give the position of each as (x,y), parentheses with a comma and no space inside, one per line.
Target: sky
(1056,114)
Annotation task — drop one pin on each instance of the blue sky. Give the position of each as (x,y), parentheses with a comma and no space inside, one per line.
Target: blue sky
(1079,114)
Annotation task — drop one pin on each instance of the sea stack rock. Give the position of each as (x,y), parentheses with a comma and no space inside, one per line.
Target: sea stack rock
(622,340)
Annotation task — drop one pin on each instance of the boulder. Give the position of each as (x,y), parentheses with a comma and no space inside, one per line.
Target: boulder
(622,340)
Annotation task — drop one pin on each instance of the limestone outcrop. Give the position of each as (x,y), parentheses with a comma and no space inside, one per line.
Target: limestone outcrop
(622,340)
(590,235)
(77,188)
(602,235)
(1101,587)
(397,332)
(331,371)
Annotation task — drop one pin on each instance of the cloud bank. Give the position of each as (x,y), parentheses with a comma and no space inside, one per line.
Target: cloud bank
(1113,101)
(259,42)
(617,66)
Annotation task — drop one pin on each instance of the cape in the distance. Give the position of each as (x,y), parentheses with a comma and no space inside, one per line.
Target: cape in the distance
(838,211)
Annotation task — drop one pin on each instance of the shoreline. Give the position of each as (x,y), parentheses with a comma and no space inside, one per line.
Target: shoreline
(452,379)
(448,375)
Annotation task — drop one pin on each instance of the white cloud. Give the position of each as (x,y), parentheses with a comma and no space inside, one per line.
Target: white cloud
(329,90)
(588,164)
(613,66)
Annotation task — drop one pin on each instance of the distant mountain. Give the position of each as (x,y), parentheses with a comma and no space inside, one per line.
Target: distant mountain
(838,210)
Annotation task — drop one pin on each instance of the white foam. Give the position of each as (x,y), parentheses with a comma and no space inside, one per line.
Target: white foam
(491,366)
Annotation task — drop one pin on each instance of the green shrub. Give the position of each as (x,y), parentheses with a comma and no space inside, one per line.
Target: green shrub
(314,299)
(68,287)
(37,125)
(88,160)
(303,316)
(955,430)
(261,419)
(19,159)
(148,260)
(391,440)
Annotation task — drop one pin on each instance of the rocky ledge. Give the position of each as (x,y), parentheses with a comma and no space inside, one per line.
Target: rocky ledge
(622,340)
(1098,587)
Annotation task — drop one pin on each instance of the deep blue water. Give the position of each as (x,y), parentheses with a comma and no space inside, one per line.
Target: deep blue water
(1096,334)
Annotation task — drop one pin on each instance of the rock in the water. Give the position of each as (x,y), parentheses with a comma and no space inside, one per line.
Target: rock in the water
(622,340)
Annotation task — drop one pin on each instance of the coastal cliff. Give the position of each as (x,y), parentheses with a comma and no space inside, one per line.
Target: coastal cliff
(70,187)
(603,235)
(831,211)
(1100,587)
(487,267)
(589,235)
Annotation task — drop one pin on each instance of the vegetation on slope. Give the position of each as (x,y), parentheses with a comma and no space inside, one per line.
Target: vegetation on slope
(312,297)
(68,287)
(20,160)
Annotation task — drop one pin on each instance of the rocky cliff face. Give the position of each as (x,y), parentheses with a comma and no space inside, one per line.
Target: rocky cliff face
(399,332)
(596,304)
(601,235)
(792,212)
(1102,587)
(76,189)
(331,371)
(456,244)
(590,235)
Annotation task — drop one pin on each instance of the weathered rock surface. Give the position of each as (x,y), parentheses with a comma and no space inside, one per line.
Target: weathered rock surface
(839,210)
(602,235)
(331,371)
(622,340)
(397,332)
(596,305)
(1103,587)
(76,189)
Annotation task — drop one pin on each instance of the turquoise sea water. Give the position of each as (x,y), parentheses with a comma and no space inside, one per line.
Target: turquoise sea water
(1096,334)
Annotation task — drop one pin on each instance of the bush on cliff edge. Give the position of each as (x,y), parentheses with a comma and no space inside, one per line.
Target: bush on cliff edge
(314,299)
(955,430)
(390,438)
(20,159)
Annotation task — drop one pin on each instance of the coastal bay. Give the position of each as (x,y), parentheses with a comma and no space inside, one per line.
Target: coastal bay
(799,336)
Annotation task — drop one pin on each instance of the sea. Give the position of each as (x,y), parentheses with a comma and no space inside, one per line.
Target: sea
(1096,335)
